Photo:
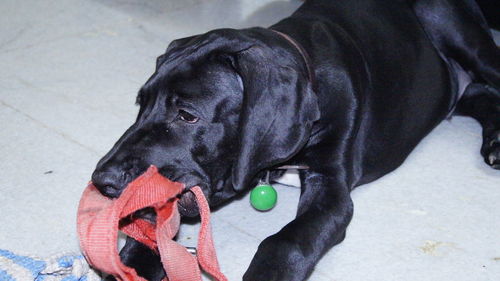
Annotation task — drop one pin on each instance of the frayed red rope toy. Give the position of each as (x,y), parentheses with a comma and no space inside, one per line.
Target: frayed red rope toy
(100,218)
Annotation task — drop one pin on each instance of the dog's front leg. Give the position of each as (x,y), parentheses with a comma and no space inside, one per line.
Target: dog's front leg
(325,210)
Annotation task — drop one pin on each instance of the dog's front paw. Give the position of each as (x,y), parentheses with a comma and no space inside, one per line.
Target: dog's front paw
(491,149)
(277,260)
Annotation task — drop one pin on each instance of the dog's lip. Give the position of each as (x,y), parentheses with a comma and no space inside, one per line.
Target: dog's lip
(187,204)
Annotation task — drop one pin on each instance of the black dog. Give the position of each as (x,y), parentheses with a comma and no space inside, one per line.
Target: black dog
(347,88)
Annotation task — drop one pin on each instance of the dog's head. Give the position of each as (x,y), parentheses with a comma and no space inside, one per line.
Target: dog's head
(220,108)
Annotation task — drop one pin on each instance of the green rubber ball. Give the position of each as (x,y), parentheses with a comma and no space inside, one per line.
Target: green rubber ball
(263,197)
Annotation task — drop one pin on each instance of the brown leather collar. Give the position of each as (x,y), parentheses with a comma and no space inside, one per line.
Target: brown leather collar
(302,51)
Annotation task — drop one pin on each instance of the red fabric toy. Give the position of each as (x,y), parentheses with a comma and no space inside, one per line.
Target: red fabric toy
(100,218)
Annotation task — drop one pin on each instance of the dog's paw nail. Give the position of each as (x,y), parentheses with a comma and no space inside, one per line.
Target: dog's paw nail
(492,159)
(491,150)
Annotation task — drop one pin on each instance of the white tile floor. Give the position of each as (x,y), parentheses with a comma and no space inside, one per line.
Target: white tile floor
(69,72)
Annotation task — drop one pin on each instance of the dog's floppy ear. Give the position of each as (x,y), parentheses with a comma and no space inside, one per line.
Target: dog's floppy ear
(171,47)
(278,111)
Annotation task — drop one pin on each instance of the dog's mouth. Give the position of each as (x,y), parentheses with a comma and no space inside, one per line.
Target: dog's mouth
(186,205)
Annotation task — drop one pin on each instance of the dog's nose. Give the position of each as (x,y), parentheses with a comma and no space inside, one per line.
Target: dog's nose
(109,182)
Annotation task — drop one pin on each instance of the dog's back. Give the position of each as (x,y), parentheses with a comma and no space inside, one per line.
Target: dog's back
(401,87)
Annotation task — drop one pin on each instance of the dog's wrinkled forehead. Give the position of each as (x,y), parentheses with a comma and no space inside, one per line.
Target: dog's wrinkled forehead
(192,75)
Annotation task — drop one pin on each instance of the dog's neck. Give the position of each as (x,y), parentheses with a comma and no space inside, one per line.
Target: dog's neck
(302,51)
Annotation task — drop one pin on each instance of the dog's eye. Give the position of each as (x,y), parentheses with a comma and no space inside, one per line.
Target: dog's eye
(187,117)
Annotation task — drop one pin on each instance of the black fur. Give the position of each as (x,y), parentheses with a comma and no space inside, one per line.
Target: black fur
(225,106)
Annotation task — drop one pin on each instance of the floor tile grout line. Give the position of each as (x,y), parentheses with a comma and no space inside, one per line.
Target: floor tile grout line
(62,134)
(66,98)
(92,31)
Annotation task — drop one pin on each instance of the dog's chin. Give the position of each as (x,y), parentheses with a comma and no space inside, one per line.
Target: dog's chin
(187,205)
